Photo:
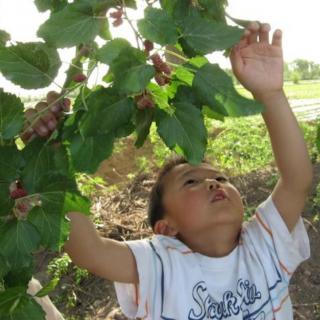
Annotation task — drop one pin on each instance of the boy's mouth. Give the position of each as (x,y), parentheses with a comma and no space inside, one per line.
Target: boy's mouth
(219,195)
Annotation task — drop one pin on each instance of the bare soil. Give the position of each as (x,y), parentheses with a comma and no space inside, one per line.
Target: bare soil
(123,216)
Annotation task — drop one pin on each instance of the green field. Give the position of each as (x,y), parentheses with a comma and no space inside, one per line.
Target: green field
(241,145)
(303,90)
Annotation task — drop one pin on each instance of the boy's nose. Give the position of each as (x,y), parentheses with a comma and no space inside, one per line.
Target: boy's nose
(212,183)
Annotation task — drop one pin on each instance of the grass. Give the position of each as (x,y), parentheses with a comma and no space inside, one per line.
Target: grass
(241,146)
(238,146)
(303,90)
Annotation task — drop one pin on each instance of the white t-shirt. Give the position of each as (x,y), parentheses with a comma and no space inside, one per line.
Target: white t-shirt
(250,283)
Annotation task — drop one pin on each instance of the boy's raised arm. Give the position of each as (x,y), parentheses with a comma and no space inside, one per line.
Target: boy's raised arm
(258,65)
(106,258)
(109,259)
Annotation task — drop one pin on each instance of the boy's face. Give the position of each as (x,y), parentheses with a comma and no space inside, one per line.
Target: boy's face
(199,199)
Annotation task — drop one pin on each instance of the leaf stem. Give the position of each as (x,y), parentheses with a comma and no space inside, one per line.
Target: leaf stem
(72,65)
(136,33)
(179,65)
(176,55)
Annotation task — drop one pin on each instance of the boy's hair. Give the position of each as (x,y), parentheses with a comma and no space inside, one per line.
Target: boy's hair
(156,208)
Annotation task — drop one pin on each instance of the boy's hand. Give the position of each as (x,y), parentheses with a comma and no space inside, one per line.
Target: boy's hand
(43,119)
(257,63)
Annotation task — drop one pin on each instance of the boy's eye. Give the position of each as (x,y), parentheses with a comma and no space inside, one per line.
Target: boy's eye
(222,179)
(191,181)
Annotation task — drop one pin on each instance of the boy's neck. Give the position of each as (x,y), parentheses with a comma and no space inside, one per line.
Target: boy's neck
(215,244)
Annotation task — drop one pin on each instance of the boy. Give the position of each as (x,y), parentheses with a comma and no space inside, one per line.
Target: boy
(203,262)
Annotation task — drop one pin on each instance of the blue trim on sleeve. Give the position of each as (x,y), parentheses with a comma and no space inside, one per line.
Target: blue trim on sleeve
(162,280)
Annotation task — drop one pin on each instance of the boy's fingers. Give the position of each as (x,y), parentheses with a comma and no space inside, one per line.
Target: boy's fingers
(40,128)
(58,106)
(40,106)
(244,40)
(254,32)
(264,33)
(66,104)
(46,116)
(52,99)
(30,115)
(277,38)
(27,133)
(52,96)
(236,60)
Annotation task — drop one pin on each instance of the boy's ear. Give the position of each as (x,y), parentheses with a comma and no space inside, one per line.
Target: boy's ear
(163,227)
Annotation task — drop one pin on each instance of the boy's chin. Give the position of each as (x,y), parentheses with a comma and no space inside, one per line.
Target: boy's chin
(227,216)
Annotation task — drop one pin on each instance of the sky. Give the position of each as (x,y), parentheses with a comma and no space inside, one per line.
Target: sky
(298,20)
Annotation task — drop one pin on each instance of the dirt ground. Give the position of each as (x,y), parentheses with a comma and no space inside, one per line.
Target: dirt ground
(123,216)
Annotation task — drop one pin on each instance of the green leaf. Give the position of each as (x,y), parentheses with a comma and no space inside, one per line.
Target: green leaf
(10,163)
(240,22)
(54,184)
(124,130)
(135,79)
(10,166)
(131,72)
(6,201)
(143,121)
(184,75)
(157,26)
(53,5)
(215,89)
(101,5)
(49,287)
(80,101)
(214,9)
(52,225)
(205,36)
(18,240)
(4,267)
(108,77)
(186,94)
(110,51)
(11,115)
(87,153)
(104,31)
(107,112)
(187,49)
(19,277)
(160,96)
(76,202)
(30,65)
(42,160)
(180,10)
(16,304)
(172,88)
(185,129)
(48,217)
(168,5)
(4,37)
(198,61)
(212,114)
(75,24)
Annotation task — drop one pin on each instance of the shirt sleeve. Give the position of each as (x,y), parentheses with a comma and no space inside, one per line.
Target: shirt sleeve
(271,238)
(134,299)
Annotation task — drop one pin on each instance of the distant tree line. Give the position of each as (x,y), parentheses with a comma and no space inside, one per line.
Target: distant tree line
(295,71)
(301,69)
